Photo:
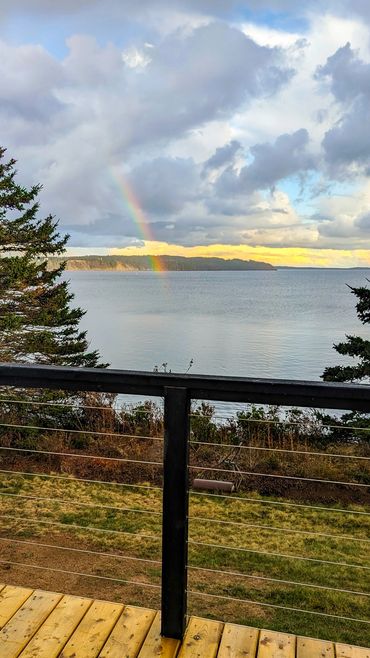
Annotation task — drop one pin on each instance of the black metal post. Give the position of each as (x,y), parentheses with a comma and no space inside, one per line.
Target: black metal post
(175,511)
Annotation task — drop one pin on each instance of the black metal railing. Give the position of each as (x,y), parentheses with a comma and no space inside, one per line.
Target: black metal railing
(178,391)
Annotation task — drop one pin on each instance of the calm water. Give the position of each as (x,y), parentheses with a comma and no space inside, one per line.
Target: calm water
(253,324)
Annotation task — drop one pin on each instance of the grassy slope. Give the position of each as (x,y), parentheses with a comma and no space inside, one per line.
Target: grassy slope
(29,527)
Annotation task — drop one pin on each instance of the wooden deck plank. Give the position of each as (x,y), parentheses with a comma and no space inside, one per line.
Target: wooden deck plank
(26,621)
(129,633)
(347,651)
(38,624)
(202,639)
(58,628)
(276,645)
(238,642)
(93,631)
(11,599)
(309,648)
(156,646)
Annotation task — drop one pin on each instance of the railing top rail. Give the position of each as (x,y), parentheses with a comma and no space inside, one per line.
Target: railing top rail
(215,388)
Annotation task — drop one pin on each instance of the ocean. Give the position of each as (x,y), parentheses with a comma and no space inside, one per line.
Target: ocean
(276,324)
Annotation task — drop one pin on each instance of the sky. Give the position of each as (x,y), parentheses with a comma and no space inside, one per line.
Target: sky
(194,127)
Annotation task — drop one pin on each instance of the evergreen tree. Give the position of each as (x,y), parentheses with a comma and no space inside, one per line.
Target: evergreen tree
(37,324)
(356,347)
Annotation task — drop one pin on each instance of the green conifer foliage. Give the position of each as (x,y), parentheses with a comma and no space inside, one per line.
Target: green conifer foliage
(37,323)
(355,347)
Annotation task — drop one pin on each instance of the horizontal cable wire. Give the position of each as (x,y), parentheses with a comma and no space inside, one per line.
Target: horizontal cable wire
(272,475)
(87,432)
(73,479)
(281,422)
(74,526)
(78,407)
(62,405)
(240,524)
(274,605)
(277,502)
(152,512)
(280,555)
(285,450)
(81,550)
(81,456)
(277,580)
(118,509)
(77,573)
(65,501)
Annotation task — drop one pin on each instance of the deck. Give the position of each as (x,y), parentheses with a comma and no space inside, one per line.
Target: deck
(39,624)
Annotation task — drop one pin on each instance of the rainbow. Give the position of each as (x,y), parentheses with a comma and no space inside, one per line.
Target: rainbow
(132,204)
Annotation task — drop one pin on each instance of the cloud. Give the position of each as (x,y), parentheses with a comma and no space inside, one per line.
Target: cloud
(205,75)
(223,155)
(69,121)
(126,7)
(343,219)
(164,185)
(210,124)
(348,142)
(29,78)
(363,223)
(287,156)
(348,74)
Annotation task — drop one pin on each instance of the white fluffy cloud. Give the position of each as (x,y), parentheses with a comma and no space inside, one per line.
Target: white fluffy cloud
(217,122)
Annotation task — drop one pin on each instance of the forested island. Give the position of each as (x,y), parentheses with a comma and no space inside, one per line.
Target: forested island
(167,263)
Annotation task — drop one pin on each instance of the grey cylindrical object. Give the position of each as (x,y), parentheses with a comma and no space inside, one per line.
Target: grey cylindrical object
(213,484)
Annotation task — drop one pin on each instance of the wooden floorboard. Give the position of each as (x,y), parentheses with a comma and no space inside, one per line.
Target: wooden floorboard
(202,639)
(38,624)
(309,648)
(238,642)
(276,645)
(129,633)
(11,599)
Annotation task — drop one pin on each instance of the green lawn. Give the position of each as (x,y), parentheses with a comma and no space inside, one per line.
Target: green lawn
(292,531)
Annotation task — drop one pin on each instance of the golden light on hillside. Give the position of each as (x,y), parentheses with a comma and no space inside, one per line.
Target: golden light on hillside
(289,256)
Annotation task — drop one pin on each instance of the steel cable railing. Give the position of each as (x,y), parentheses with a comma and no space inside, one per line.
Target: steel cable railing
(242,546)
(260,501)
(306,453)
(85,432)
(84,551)
(257,569)
(57,512)
(122,581)
(241,549)
(277,607)
(212,469)
(85,528)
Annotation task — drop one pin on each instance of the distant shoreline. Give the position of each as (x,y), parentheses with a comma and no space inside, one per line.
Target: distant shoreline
(158,263)
(315,267)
